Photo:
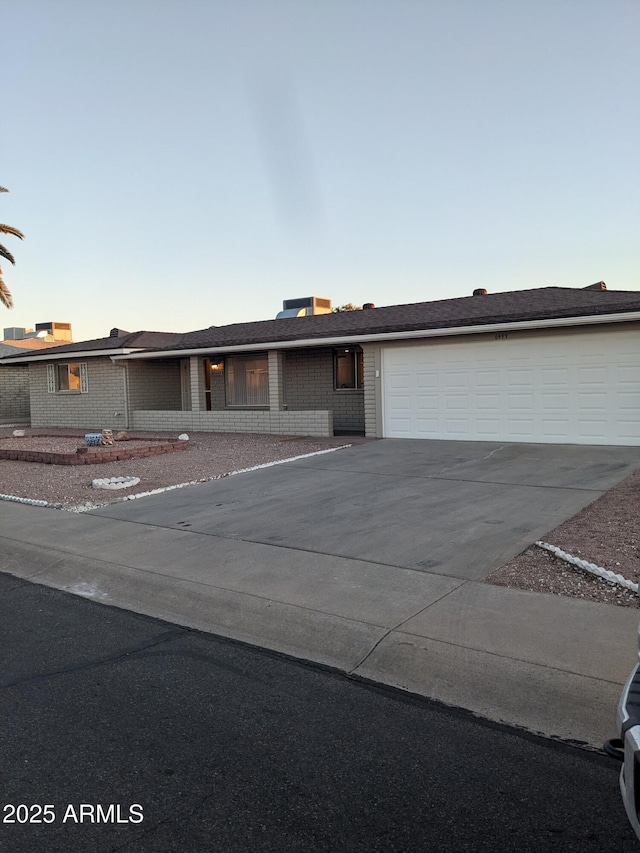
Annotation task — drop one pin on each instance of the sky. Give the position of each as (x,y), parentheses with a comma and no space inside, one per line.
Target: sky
(178,164)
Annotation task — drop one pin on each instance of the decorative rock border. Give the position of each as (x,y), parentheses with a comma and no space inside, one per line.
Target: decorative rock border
(599,571)
(115,482)
(89,456)
(31,501)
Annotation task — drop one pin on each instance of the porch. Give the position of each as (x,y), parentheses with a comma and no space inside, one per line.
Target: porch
(317,392)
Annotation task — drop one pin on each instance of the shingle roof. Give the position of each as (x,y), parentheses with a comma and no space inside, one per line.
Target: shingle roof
(516,306)
(511,307)
(131,340)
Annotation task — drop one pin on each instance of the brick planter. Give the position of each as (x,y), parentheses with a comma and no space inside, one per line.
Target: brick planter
(93,456)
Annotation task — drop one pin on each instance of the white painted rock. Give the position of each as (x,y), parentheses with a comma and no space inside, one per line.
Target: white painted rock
(183,437)
(18,433)
(115,482)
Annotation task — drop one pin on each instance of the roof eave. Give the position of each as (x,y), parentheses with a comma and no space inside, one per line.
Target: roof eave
(66,356)
(381,337)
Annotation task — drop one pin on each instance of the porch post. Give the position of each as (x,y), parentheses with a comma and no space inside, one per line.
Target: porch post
(125,405)
(197,384)
(276,380)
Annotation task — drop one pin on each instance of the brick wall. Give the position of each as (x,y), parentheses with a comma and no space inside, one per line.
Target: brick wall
(372,384)
(316,423)
(14,393)
(87,456)
(314,407)
(308,384)
(155,384)
(103,407)
(276,380)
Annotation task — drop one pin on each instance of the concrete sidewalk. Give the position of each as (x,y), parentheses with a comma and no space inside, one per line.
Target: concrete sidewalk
(552,665)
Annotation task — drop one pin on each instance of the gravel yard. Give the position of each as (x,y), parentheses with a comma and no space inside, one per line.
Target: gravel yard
(605,532)
(208,455)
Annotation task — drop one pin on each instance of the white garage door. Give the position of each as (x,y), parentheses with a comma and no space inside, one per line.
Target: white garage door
(570,387)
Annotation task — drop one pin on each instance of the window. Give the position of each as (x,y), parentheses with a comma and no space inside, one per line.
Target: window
(247,380)
(68,377)
(348,368)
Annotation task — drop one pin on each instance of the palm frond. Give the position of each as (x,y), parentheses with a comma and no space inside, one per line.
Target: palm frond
(8,229)
(5,294)
(5,253)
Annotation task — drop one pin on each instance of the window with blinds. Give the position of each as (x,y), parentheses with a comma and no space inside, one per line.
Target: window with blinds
(247,380)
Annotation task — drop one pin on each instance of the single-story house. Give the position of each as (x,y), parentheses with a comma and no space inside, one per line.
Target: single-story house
(552,365)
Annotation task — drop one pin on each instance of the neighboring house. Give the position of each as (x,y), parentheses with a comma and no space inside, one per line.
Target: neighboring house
(553,365)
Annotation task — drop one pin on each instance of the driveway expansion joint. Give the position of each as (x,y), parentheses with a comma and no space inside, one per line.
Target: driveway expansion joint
(260,542)
(518,485)
(438,476)
(395,629)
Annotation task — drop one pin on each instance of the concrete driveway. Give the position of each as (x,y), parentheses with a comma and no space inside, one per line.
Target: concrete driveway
(369,560)
(459,509)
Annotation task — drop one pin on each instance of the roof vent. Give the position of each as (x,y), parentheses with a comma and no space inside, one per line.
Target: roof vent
(599,285)
(480,291)
(117,333)
(368,305)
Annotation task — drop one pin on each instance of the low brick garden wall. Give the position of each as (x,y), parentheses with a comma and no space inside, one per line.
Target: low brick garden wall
(93,455)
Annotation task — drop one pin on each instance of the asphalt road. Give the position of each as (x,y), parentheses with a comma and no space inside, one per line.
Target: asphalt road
(194,744)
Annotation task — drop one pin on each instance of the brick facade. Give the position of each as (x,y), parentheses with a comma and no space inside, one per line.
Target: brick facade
(372,389)
(148,394)
(308,384)
(155,384)
(14,393)
(102,407)
(315,423)
(276,380)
